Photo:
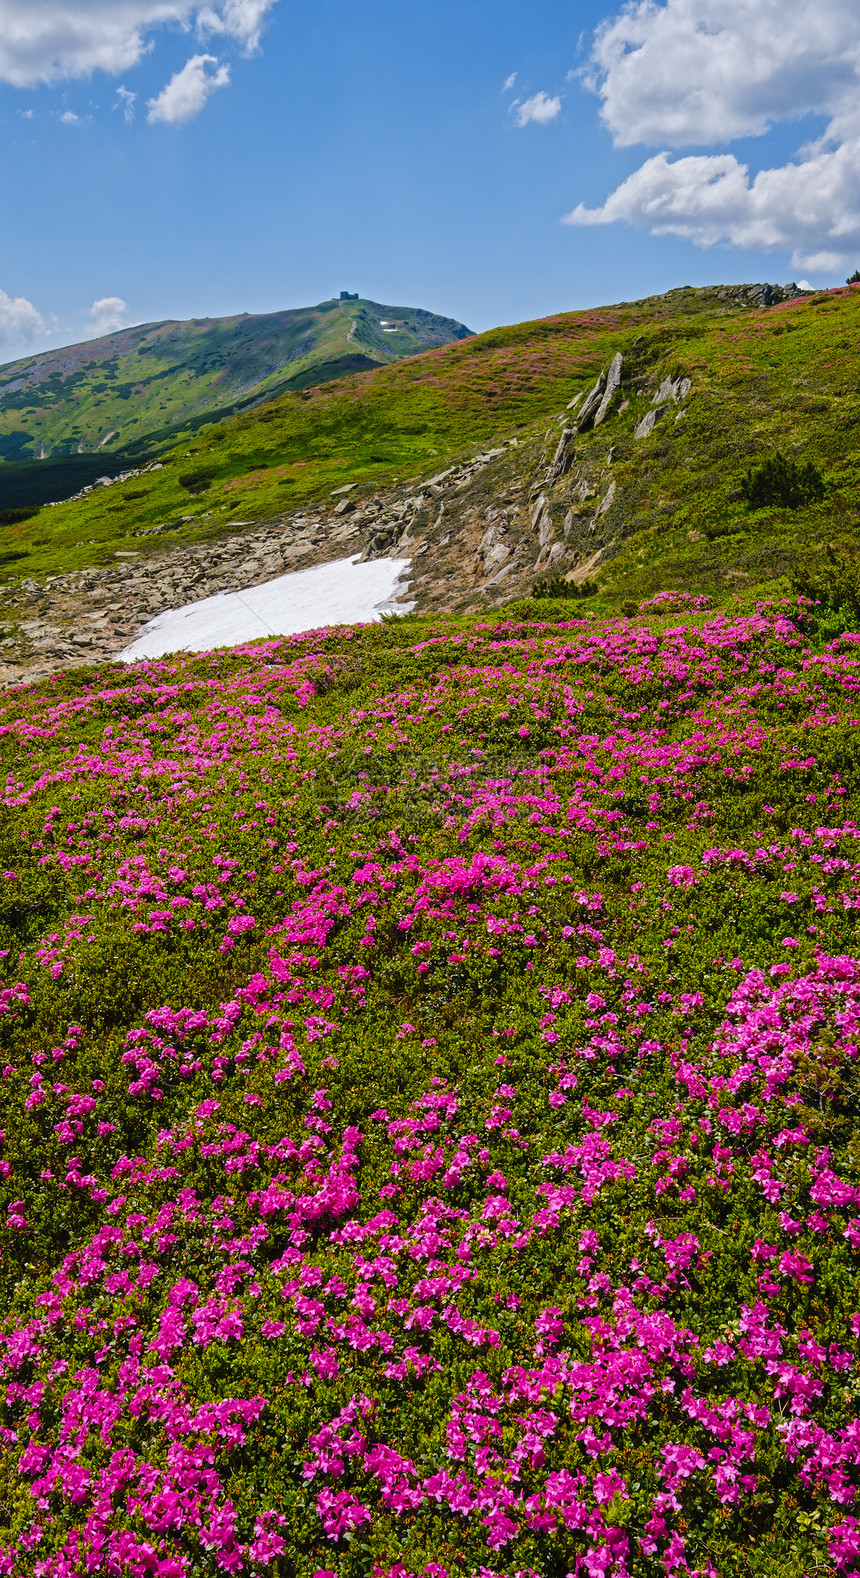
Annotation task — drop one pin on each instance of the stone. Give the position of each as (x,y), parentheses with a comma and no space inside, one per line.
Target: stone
(586,416)
(613,379)
(672,389)
(649,422)
(606,501)
(563,457)
(540,505)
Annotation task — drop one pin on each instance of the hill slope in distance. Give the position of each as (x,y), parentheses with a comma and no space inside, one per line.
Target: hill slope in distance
(136,384)
(650,506)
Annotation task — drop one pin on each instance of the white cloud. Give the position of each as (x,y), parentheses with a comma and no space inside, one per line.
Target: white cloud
(69,118)
(48,40)
(540,109)
(698,72)
(107,314)
(811,209)
(187,91)
(704,72)
(509,82)
(125,102)
(19,320)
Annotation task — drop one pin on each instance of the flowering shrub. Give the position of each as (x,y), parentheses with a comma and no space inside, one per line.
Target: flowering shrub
(445,1167)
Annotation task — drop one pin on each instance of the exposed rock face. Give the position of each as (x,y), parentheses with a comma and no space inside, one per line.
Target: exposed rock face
(760,295)
(588,411)
(606,501)
(613,379)
(649,422)
(671,391)
(563,458)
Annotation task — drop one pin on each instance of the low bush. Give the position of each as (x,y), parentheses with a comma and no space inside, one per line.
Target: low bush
(428,1104)
(197,481)
(781,481)
(557,586)
(23,512)
(833,587)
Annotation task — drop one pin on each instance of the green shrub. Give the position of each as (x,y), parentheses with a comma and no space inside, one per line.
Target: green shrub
(23,512)
(836,590)
(782,481)
(196,481)
(557,586)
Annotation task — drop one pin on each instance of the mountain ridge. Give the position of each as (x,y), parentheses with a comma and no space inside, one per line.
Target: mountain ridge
(465,461)
(150,380)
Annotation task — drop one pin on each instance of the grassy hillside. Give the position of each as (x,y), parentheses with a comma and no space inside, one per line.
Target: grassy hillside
(143,383)
(429,1105)
(783,378)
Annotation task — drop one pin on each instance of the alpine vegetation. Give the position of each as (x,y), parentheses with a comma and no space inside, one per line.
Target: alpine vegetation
(429,1087)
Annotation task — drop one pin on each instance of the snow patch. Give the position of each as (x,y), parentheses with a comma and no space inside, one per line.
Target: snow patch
(343,592)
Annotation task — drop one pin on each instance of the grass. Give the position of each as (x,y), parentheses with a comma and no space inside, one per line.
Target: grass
(140,387)
(782,379)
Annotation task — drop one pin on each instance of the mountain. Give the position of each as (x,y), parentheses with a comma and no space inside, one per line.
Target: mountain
(135,387)
(712,386)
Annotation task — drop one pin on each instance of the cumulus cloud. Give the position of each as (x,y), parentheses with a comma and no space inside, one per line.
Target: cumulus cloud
(188,89)
(540,108)
(811,209)
(697,72)
(690,73)
(47,40)
(19,320)
(509,82)
(107,314)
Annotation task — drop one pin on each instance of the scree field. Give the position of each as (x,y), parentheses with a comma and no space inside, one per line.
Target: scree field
(430,1085)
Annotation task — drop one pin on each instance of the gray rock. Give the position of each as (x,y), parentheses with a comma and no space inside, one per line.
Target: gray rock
(585,417)
(649,422)
(563,457)
(613,379)
(675,389)
(606,501)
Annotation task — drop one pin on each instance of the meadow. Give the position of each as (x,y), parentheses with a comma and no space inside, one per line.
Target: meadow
(429,1103)
(782,379)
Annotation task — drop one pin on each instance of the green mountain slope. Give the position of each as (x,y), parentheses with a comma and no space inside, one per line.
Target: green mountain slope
(138,383)
(650,511)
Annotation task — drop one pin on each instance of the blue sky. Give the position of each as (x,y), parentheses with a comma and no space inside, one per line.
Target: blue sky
(275,152)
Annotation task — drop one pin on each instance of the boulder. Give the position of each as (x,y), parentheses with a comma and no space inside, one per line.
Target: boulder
(649,422)
(675,389)
(606,501)
(586,416)
(613,379)
(563,457)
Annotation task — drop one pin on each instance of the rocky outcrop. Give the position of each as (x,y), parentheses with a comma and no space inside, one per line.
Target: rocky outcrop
(563,457)
(613,381)
(586,414)
(671,392)
(759,295)
(597,402)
